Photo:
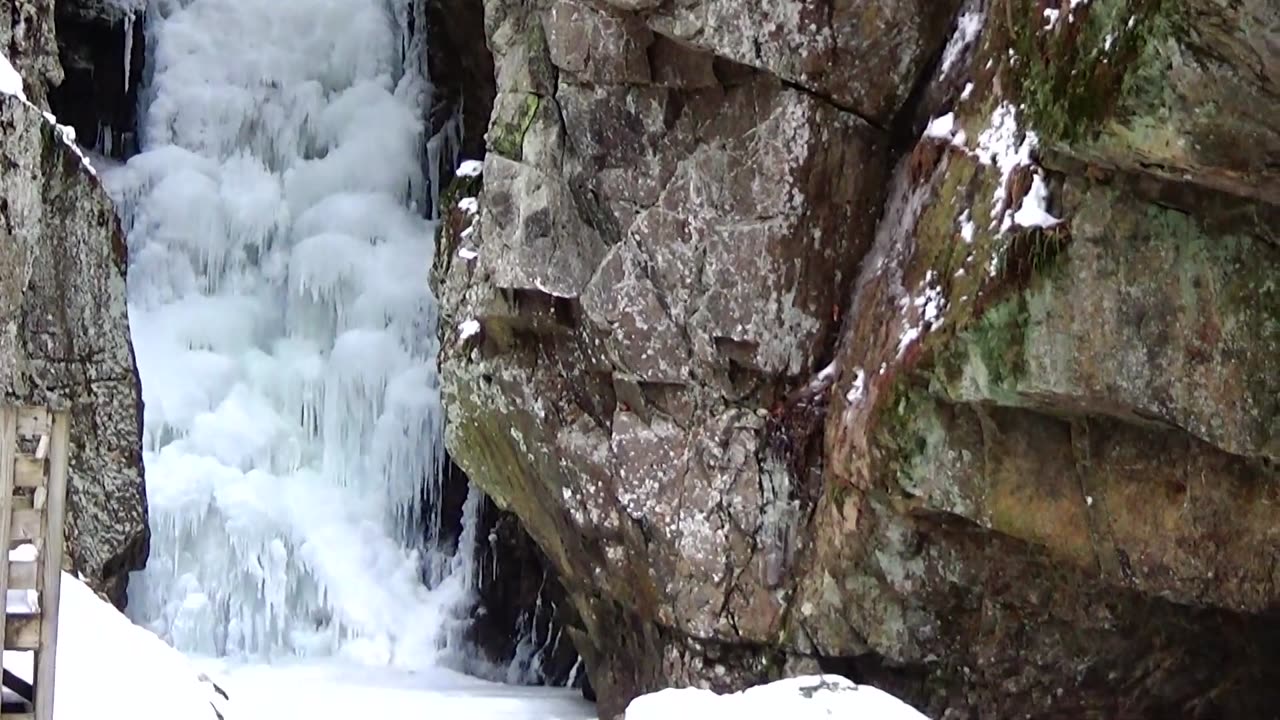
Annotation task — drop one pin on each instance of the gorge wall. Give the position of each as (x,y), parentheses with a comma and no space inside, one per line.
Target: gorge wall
(65,337)
(935,344)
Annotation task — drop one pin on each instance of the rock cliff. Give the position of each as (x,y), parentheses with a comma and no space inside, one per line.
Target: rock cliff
(937,344)
(65,337)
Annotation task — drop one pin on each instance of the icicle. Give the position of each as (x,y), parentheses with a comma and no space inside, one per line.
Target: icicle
(574,672)
(128,51)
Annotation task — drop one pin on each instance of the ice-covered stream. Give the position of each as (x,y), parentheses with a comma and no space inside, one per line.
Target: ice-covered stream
(285,334)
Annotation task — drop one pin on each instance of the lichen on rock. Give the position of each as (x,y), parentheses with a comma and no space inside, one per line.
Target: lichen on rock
(65,341)
(956,374)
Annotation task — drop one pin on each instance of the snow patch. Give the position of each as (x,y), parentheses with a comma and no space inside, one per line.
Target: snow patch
(468,328)
(931,305)
(967,28)
(858,388)
(10,80)
(966,227)
(1004,145)
(100,652)
(801,698)
(470,168)
(11,84)
(1034,209)
(941,128)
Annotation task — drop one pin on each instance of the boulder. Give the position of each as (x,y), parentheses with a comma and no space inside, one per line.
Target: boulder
(946,363)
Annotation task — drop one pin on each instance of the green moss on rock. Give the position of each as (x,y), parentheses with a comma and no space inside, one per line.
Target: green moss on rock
(1106,56)
(506,137)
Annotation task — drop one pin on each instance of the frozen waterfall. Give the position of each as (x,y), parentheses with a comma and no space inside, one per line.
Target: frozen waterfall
(285,334)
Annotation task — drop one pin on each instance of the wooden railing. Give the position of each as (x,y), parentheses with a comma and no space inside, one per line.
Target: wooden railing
(33,491)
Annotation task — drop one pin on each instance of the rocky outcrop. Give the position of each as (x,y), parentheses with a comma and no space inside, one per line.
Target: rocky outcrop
(66,339)
(944,358)
(27,40)
(516,629)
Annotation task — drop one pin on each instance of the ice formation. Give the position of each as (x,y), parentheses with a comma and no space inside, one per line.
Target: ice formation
(284,331)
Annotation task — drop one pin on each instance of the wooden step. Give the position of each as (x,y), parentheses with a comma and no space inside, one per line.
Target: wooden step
(25,526)
(22,632)
(28,472)
(34,421)
(24,574)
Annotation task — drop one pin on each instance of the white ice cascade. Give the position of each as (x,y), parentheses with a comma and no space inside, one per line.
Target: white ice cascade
(284,330)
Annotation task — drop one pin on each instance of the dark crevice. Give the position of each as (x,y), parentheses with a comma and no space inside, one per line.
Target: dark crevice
(842,107)
(95,97)
(523,609)
(462,73)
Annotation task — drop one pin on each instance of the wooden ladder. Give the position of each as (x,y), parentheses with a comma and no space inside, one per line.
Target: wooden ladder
(33,491)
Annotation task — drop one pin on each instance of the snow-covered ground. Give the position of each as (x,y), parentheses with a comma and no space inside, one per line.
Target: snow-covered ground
(319,691)
(110,669)
(102,656)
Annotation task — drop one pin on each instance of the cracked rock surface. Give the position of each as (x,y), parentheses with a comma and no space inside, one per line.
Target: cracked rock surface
(942,357)
(64,337)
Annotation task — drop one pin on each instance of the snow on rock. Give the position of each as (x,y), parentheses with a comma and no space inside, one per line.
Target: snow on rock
(109,669)
(1033,212)
(967,28)
(801,698)
(11,84)
(1007,147)
(470,168)
(966,227)
(10,80)
(469,205)
(931,305)
(468,329)
(858,388)
(67,134)
(941,128)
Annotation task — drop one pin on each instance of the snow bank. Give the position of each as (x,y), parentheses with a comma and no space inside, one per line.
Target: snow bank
(800,698)
(109,668)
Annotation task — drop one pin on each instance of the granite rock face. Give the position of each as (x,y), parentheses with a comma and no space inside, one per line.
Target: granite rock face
(945,358)
(65,338)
